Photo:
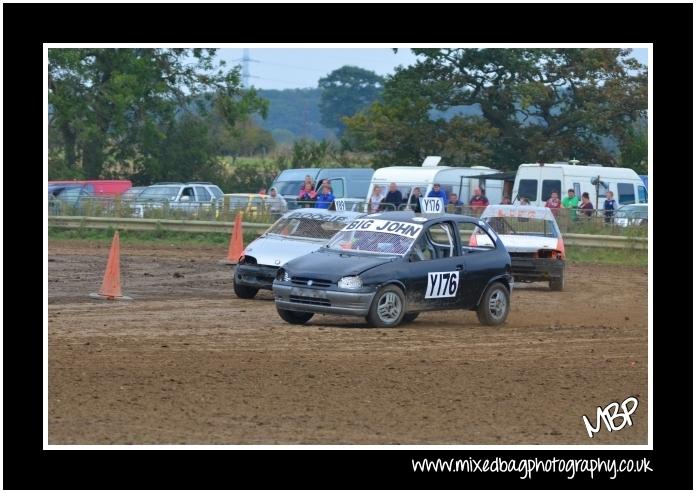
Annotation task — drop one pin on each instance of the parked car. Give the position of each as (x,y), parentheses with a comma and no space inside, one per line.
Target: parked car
(533,239)
(70,198)
(295,234)
(631,215)
(191,197)
(132,193)
(99,188)
(249,203)
(388,267)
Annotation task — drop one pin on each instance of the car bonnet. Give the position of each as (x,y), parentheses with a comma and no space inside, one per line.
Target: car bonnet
(277,250)
(333,265)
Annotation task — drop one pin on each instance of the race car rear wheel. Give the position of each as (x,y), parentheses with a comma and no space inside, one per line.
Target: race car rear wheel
(387,308)
(293,317)
(245,292)
(557,283)
(409,317)
(495,305)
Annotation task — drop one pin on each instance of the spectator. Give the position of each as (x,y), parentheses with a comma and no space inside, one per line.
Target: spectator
(506,201)
(610,205)
(262,191)
(276,203)
(307,196)
(524,201)
(375,199)
(454,204)
(414,203)
(479,200)
(307,179)
(393,198)
(437,192)
(326,197)
(570,202)
(585,205)
(553,202)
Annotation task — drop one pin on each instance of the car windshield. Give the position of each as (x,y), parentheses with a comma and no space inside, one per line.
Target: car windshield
(375,236)
(131,194)
(305,227)
(288,187)
(632,211)
(522,226)
(159,192)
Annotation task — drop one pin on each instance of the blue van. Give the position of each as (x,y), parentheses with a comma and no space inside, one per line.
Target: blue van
(348,183)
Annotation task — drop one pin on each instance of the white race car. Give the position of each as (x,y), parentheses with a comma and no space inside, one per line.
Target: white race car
(296,233)
(533,239)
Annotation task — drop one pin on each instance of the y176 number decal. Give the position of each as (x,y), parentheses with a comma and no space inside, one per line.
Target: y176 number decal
(442,284)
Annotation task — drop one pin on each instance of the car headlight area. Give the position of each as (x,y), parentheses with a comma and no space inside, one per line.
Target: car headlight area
(283,275)
(350,282)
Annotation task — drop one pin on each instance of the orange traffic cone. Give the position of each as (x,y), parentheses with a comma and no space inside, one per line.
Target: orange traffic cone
(236,247)
(111,285)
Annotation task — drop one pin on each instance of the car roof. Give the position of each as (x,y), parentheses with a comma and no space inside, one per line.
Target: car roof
(518,210)
(247,195)
(417,218)
(325,212)
(633,205)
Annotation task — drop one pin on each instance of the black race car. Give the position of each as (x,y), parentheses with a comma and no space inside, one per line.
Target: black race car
(390,266)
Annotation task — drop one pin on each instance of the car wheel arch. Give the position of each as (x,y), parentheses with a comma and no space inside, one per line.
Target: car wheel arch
(501,278)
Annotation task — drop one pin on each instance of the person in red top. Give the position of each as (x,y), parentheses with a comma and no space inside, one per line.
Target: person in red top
(554,203)
(307,196)
(478,201)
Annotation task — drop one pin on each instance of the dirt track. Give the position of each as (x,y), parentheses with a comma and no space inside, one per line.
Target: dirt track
(187,362)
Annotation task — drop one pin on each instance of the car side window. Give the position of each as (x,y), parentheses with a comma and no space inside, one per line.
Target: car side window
(187,192)
(203,195)
(423,249)
(441,236)
(475,239)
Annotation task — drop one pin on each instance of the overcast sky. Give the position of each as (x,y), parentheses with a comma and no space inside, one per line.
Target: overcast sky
(284,68)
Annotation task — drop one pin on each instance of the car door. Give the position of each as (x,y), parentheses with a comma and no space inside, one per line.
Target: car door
(481,263)
(435,275)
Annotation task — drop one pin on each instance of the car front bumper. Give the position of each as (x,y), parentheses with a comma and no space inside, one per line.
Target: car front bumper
(254,275)
(536,269)
(303,299)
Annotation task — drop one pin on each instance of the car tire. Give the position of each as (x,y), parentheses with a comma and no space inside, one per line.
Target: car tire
(388,307)
(495,305)
(409,317)
(245,292)
(293,317)
(557,283)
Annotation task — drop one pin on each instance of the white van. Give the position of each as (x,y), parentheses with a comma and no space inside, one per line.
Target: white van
(451,179)
(537,181)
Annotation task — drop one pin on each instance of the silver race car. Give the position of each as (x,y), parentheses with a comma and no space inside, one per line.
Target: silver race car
(295,234)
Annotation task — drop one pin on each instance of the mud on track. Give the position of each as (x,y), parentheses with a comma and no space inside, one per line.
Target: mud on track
(187,362)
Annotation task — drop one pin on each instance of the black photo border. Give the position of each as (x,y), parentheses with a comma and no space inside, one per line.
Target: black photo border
(28,26)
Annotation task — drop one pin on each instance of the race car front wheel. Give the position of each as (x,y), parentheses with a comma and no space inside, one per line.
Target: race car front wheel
(495,305)
(388,306)
(293,317)
(246,292)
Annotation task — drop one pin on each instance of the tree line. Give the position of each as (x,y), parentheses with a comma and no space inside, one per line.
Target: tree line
(174,114)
